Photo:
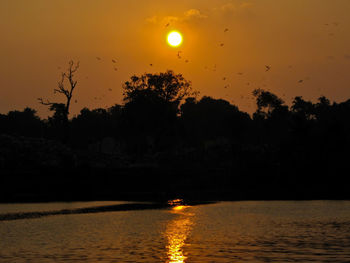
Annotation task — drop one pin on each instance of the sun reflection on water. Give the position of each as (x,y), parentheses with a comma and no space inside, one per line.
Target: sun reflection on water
(177,232)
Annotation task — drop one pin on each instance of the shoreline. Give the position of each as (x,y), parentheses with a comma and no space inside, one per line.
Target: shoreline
(93,210)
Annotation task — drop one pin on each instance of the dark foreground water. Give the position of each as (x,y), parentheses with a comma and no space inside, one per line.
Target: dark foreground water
(313,231)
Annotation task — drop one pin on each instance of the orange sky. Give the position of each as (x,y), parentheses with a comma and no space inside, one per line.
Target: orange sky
(291,36)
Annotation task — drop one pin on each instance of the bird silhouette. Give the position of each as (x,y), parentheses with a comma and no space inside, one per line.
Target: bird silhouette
(167,25)
(115,69)
(109,89)
(186,61)
(114,61)
(179,54)
(222,44)
(226,30)
(240,73)
(98,58)
(151,65)
(267,68)
(301,81)
(224,78)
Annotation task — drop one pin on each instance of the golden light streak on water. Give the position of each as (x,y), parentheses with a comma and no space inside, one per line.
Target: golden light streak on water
(179,207)
(177,232)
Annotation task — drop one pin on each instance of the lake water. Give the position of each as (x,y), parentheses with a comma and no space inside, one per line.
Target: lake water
(283,231)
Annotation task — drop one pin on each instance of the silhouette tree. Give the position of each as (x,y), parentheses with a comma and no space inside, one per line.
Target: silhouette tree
(59,117)
(25,123)
(168,86)
(210,118)
(323,109)
(92,124)
(67,92)
(304,109)
(267,103)
(151,107)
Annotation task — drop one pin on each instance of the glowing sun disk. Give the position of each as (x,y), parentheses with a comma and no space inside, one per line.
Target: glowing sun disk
(174,39)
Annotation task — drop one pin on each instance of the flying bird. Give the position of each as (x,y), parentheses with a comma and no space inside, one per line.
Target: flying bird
(115,69)
(224,78)
(98,58)
(178,54)
(267,67)
(186,61)
(167,25)
(240,73)
(222,44)
(301,81)
(109,89)
(114,61)
(151,65)
(226,30)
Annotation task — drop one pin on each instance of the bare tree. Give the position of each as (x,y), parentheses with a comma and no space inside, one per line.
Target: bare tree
(67,92)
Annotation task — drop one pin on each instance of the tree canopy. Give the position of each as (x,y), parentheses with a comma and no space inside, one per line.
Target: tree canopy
(168,86)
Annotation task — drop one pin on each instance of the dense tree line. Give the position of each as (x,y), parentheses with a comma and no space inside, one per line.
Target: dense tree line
(161,110)
(163,119)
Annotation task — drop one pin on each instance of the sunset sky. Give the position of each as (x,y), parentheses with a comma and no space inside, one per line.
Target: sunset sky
(305,40)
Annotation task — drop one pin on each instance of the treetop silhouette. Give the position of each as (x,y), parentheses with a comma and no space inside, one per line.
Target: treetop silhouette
(168,86)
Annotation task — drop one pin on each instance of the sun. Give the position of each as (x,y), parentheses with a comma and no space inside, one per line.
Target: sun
(174,39)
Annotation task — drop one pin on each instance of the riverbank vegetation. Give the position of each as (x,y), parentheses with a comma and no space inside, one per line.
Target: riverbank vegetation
(165,140)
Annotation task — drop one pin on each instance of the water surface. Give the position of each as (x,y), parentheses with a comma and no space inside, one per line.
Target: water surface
(313,231)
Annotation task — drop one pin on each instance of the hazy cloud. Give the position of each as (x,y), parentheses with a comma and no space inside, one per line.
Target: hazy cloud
(194,13)
(190,14)
(227,7)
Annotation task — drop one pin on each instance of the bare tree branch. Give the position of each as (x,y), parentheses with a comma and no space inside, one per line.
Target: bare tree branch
(61,89)
(47,103)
